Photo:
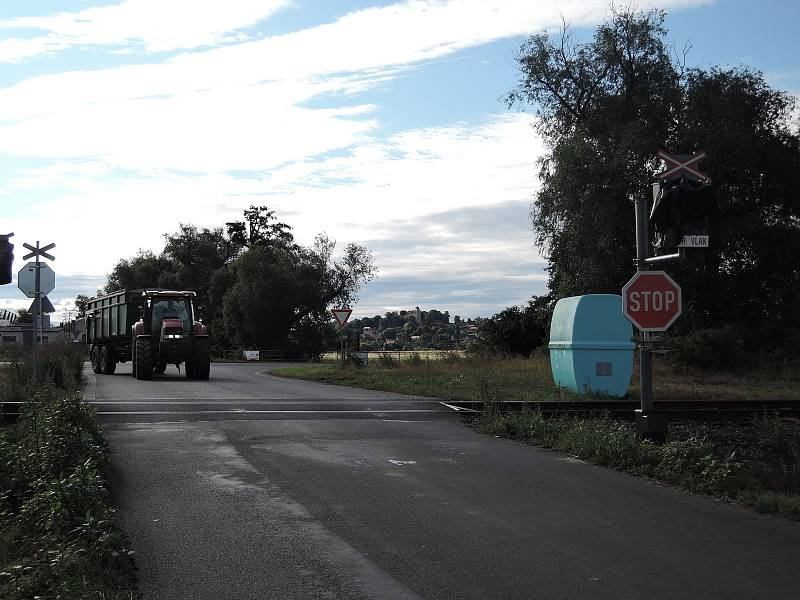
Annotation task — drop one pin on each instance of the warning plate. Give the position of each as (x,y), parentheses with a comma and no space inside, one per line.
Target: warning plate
(694,241)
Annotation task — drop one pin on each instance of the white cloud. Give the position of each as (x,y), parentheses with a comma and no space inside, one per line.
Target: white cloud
(116,145)
(154,25)
(238,107)
(365,41)
(99,214)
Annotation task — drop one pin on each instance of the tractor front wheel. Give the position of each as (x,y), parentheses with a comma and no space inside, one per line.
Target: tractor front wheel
(201,359)
(144,358)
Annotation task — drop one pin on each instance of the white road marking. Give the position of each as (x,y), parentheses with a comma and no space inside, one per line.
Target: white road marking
(457,408)
(402,462)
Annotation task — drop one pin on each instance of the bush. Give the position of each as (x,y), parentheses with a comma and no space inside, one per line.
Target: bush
(385,361)
(716,349)
(355,361)
(58,533)
(602,440)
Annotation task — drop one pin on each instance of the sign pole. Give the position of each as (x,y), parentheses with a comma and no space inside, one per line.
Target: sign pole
(37,311)
(645,363)
(649,424)
(36,252)
(342,315)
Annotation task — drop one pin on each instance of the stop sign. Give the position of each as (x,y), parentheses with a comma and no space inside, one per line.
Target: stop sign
(651,300)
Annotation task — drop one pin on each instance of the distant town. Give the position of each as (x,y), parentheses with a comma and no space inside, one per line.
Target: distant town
(414,329)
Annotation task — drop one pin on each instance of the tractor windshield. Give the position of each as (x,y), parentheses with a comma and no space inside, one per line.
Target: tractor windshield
(171,308)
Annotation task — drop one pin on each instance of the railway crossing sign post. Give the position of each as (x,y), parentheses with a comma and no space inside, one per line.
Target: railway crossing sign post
(652,300)
(36,279)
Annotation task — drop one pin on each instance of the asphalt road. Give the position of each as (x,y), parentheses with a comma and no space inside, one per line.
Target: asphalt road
(251,486)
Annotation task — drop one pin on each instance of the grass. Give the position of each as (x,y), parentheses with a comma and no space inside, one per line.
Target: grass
(451,377)
(757,464)
(456,377)
(58,532)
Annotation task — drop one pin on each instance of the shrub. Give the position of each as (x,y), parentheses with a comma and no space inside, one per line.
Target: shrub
(602,440)
(58,533)
(721,348)
(385,361)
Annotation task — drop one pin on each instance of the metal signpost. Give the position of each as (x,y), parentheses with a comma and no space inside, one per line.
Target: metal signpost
(652,300)
(341,315)
(44,281)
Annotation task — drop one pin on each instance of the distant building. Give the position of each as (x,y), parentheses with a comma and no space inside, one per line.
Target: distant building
(417,315)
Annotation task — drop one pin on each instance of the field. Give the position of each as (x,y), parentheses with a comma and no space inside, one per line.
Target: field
(456,377)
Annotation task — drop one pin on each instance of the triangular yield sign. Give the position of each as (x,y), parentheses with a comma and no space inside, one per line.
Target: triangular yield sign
(47,306)
(341,315)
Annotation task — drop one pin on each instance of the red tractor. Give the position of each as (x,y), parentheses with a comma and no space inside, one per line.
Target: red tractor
(151,327)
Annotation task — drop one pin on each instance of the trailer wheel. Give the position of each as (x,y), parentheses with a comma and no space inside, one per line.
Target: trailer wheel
(201,359)
(144,358)
(108,361)
(94,357)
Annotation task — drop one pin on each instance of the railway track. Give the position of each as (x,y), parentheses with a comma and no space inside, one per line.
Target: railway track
(676,410)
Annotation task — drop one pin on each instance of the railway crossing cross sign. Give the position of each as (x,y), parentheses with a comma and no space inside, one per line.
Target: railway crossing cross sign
(341,315)
(682,164)
(651,300)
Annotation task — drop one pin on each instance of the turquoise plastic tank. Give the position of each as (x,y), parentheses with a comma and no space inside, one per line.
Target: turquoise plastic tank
(590,345)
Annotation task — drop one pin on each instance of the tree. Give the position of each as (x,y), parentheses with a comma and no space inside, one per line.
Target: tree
(24,316)
(195,255)
(604,108)
(275,288)
(144,270)
(259,228)
(515,330)
(260,287)
(81,302)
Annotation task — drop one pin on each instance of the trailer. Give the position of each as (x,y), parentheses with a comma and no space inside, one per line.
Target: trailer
(151,327)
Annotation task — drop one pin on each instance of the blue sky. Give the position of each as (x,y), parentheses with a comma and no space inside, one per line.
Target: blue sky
(377,122)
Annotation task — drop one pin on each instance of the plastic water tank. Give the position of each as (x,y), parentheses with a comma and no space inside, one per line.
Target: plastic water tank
(590,345)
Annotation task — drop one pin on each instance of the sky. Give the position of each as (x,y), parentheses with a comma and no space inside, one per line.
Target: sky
(377,122)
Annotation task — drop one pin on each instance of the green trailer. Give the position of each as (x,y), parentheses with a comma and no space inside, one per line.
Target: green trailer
(150,327)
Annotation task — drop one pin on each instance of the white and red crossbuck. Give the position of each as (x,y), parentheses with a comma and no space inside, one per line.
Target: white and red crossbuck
(682,164)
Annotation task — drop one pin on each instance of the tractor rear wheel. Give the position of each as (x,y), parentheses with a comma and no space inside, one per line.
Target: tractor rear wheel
(94,357)
(108,361)
(201,359)
(144,358)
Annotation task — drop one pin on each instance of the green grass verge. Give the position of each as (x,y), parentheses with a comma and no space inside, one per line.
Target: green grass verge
(58,531)
(450,377)
(762,472)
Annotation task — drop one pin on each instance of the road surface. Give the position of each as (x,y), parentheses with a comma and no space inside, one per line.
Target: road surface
(251,486)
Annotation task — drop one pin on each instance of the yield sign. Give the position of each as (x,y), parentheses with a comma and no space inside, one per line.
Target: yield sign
(682,164)
(341,315)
